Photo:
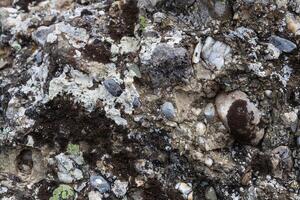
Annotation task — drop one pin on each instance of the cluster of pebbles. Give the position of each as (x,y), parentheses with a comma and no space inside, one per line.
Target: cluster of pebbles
(149,99)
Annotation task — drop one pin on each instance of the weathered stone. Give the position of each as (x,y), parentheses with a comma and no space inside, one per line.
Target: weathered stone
(209,111)
(215,53)
(100,184)
(273,52)
(168,110)
(282,44)
(113,87)
(240,116)
(41,34)
(185,189)
(119,188)
(197,53)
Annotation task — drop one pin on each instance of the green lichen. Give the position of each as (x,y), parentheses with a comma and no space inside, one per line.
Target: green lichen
(16,46)
(143,23)
(63,192)
(73,149)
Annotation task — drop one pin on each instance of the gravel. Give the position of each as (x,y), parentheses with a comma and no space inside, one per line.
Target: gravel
(138,99)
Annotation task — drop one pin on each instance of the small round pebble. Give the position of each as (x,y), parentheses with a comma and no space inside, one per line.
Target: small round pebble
(268,93)
(136,103)
(208,162)
(168,110)
(112,87)
(209,111)
(200,128)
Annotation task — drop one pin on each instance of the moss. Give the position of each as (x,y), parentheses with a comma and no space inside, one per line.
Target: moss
(143,23)
(123,24)
(73,149)
(63,192)
(239,122)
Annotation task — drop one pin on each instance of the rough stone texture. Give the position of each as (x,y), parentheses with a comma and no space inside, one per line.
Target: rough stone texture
(215,53)
(153,100)
(169,66)
(283,44)
(168,110)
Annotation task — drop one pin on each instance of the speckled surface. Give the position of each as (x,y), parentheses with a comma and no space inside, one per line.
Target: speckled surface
(149,99)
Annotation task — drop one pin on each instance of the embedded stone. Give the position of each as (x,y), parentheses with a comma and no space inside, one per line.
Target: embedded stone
(240,116)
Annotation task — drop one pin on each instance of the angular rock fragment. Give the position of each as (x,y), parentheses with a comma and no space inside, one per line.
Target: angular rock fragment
(67,171)
(100,184)
(282,44)
(185,189)
(168,110)
(215,53)
(41,34)
(240,116)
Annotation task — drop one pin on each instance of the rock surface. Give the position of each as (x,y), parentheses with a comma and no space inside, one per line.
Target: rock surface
(149,99)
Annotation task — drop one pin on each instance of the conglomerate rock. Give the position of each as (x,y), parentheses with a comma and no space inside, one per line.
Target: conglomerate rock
(149,99)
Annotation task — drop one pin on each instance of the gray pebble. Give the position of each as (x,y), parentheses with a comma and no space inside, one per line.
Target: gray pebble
(39,57)
(209,111)
(210,194)
(40,35)
(112,87)
(168,110)
(282,44)
(136,103)
(100,184)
